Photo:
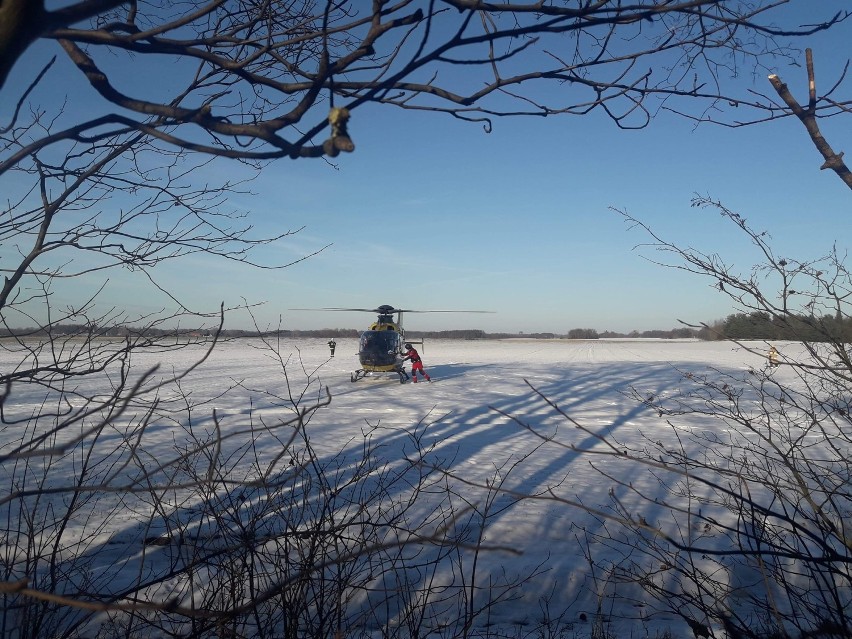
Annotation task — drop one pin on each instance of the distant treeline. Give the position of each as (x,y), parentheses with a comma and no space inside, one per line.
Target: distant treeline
(70,330)
(800,328)
(574,333)
(738,326)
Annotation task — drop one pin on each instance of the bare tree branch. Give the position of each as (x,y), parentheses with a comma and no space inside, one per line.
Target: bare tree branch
(807,116)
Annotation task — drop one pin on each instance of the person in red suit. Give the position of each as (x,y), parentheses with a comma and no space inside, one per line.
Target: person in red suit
(416,363)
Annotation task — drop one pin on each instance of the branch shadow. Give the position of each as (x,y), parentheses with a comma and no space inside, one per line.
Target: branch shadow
(475,436)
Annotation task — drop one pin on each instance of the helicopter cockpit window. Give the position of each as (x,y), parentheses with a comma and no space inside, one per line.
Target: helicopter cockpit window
(378,341)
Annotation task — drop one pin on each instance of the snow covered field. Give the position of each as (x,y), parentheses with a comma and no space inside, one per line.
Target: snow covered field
(470,414)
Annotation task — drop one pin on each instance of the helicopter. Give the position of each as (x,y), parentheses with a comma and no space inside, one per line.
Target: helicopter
(380,347)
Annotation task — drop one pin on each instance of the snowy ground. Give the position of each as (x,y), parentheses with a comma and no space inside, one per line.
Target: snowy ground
(464,414)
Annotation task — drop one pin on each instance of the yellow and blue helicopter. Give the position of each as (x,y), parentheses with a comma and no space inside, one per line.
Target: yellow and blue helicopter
(381,346)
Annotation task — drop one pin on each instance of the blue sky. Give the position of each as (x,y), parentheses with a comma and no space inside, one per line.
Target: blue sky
(433,213)
(519,221)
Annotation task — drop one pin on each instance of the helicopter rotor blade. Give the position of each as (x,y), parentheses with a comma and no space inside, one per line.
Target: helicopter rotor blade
(389,309)
(360,310)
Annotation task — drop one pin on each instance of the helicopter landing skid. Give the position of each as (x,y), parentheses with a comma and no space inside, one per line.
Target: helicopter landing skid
(361,374)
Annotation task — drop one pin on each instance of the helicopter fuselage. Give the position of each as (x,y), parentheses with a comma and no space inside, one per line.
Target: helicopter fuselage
(380,348)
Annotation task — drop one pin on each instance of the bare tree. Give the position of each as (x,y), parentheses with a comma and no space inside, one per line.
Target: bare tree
(241,527)
(259,80)
(108,179)
(743,527)
(762,108)
(808,117)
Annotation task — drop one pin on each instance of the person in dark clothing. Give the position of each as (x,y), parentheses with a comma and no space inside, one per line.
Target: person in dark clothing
(331,345)
(416,363)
